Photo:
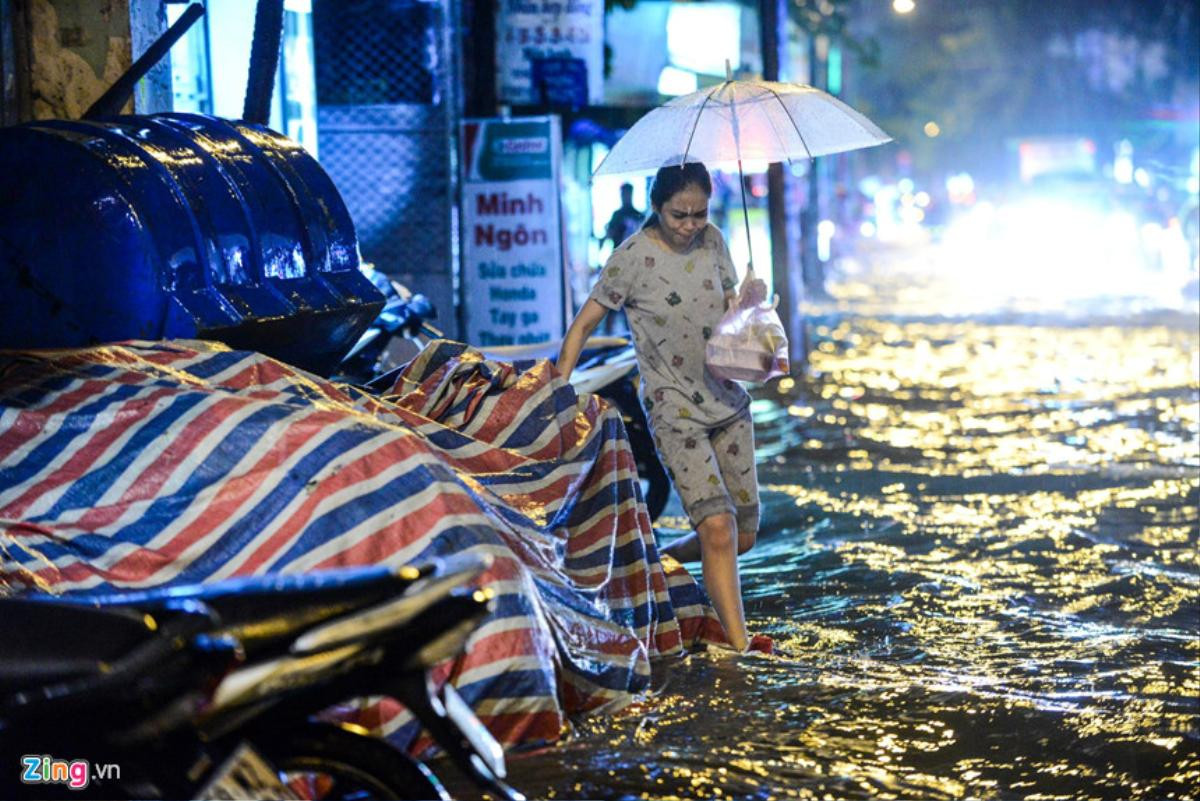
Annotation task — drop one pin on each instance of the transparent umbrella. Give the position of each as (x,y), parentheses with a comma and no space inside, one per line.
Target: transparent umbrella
(742,120)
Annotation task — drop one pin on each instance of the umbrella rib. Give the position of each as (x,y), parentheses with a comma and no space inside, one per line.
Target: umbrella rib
(687,149)
(788,114)
(779,136)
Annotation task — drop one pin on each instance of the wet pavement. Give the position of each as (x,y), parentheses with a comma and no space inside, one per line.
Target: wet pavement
(979,559)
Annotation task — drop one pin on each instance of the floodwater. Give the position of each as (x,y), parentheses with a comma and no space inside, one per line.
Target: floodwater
(979,559)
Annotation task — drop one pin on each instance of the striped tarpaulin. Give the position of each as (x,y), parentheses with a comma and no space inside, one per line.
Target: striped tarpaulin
(148,464)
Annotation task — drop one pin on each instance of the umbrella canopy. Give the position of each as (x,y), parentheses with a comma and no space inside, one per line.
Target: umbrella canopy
(742,120)
(738,120)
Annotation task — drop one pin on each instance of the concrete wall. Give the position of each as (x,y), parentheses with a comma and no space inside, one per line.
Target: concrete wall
(78,48)
(58,56)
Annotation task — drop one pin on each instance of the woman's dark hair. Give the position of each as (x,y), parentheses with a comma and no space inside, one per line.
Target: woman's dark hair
(675,178)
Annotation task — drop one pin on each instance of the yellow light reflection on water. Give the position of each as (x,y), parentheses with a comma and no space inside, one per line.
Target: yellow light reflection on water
(979,557)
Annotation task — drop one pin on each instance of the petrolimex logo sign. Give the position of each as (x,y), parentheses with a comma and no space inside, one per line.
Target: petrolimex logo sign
(516,151)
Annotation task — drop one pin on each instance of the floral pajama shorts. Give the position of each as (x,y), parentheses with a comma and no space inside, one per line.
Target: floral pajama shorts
(712,467)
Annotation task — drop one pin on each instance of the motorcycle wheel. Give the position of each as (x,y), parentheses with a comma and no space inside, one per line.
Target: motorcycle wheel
(324,761)
(656,486)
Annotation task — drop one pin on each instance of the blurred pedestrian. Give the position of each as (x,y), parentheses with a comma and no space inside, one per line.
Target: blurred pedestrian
(625,221)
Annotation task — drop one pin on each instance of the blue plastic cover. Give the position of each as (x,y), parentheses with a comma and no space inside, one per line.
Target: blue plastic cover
(176,226)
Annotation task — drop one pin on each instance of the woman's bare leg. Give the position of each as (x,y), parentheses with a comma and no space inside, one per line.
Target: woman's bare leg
(718,545)
(687,547)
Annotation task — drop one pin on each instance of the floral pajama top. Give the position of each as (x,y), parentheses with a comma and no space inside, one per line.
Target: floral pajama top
(673,302)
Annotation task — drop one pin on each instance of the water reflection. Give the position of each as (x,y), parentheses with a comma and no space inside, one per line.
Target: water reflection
(980,561)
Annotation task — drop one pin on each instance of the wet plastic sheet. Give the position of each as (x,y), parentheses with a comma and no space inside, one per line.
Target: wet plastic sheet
(147,464)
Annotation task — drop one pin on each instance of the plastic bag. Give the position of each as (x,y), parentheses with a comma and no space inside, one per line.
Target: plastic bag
(750,343)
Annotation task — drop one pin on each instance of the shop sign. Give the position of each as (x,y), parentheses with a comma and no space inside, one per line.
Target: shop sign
(513,277)
(560,82)
(529,30)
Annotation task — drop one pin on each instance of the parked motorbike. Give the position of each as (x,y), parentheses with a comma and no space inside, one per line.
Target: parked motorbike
(394,337)
(607,367)
(385,648)
(219,689)
(79,687)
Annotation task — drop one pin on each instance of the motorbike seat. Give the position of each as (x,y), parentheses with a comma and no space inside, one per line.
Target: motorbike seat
(47,642)
(266,612)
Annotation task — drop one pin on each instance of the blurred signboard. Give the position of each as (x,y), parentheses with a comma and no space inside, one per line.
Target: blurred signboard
(1055,155)
(560,82)
(513,275)
(528,30)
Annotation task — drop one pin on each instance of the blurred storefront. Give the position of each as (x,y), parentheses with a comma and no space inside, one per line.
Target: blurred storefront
(222,38)
(655,50)
(378,90)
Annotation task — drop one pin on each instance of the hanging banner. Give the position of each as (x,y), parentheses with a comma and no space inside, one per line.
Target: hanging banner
(513,277)
(567,32)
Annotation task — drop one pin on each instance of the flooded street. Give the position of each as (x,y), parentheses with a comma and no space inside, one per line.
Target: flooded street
(979,561)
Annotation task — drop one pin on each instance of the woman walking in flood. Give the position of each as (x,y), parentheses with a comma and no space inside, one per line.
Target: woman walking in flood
(675,279)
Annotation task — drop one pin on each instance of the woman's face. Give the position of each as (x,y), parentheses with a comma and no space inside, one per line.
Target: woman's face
(683,216)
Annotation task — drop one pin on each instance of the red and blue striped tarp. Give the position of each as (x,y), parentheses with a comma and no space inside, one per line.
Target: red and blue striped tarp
(148,464)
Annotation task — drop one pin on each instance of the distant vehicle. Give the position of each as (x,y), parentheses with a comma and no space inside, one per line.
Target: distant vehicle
(1055,155)
(1072,234)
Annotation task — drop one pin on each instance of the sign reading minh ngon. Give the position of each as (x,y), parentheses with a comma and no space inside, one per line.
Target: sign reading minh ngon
(513,279)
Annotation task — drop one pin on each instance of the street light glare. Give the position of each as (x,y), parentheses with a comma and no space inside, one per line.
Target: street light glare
(903,6)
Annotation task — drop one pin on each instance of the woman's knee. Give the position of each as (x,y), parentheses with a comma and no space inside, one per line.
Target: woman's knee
(746,540)
(718,531)
(747,527)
